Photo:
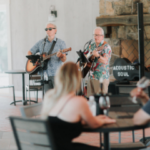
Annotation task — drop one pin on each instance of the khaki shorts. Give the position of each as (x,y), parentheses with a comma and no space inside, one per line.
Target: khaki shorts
(93,87)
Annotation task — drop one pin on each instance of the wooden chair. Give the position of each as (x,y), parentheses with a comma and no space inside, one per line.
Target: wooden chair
(32,134)
(34,87)
(32,111)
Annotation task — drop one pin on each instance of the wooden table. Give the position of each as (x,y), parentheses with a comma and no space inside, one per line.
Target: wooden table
(23,72)
(122,124)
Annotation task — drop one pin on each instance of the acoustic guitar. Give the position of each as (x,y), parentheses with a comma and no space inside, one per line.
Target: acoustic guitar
(91,58)
(32,68)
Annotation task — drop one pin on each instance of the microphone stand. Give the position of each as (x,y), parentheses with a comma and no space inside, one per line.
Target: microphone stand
(42,70)
(82,60)
(42,81)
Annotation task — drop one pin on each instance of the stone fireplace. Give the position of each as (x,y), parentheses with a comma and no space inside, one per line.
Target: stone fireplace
(118,18)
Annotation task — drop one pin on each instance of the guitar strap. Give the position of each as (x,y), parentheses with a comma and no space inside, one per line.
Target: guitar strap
(44,44)
(102,46)
(52,47)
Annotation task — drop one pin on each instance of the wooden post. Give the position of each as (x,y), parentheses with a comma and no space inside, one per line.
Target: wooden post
(141,39)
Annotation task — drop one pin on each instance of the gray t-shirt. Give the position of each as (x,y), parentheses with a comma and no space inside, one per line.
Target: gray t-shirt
(146,107)
(54,62)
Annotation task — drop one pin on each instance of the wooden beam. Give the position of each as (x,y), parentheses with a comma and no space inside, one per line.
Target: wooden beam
(123,20)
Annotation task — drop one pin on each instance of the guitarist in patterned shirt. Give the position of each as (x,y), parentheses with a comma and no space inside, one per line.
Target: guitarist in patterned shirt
(102,58)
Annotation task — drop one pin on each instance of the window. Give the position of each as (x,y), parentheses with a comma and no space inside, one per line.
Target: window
(4,42)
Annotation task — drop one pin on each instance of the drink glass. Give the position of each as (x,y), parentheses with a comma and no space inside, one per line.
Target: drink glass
(143,83)
(104,103)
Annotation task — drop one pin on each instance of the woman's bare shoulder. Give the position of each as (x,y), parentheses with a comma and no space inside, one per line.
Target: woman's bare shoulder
(79,100)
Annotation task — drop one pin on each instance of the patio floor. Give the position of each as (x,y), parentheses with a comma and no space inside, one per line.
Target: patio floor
(7,141)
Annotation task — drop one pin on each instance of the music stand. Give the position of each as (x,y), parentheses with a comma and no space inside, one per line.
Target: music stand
(82,57)
(33,58)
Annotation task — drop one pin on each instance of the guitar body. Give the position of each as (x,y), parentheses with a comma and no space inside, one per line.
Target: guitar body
(30,68)
(86,69)
(33,68)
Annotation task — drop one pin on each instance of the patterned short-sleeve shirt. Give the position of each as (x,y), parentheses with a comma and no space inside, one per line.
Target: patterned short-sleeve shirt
(101,70)
(54,62)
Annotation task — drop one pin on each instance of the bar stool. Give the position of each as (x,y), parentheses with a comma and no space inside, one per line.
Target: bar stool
(34,87)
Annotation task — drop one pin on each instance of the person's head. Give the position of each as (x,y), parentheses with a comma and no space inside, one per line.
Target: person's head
(98,34)
(51,29)
(67,80)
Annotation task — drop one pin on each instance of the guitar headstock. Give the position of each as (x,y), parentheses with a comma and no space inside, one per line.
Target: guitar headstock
(67,49)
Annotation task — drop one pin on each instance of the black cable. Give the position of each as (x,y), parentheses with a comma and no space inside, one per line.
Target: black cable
(89,42)
(44,44)
(78,59)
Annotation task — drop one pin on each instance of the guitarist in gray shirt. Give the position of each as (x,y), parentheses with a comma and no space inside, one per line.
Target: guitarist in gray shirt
(44,46)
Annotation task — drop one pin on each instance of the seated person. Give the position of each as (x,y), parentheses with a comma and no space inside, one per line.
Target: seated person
(142,116)
(67,112)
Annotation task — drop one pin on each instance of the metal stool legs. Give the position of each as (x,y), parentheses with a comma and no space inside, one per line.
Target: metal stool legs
(28,90)
(11,86)
(36,96)
(133,137)
(14,95)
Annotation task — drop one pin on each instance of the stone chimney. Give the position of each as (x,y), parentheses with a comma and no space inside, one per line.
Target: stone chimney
(119,21)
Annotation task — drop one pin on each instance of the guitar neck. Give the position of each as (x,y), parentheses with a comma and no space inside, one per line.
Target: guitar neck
(48,56)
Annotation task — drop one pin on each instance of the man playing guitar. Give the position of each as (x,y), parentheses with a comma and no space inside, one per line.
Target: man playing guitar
(44,46)
(102,58)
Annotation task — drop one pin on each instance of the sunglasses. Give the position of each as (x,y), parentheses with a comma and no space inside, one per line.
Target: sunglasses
(49,29)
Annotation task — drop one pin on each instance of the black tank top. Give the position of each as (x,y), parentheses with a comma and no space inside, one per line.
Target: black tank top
(64,131)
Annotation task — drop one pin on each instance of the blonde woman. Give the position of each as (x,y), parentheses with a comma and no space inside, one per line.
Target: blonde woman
(67,112)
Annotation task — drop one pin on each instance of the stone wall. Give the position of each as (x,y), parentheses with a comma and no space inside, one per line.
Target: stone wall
(125,7)
(129,32)
(122,7)
(121,33)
